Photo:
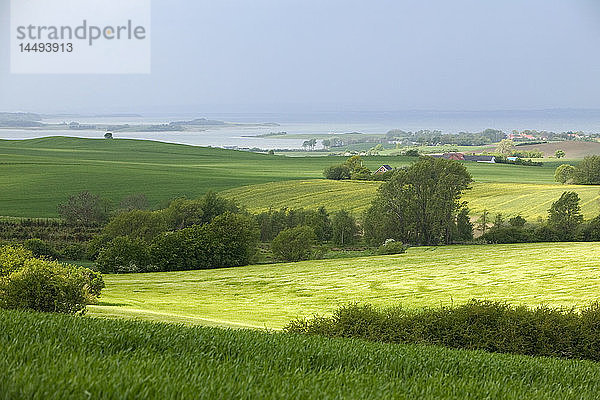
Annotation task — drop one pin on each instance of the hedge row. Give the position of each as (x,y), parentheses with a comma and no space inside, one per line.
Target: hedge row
(484,325)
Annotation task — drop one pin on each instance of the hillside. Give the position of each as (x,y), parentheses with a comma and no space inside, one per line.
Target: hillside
(37,174)
(64,357)
(529,200)
(572,149)
(272,295)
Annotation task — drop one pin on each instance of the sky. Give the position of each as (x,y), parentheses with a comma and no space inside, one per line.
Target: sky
(339,55)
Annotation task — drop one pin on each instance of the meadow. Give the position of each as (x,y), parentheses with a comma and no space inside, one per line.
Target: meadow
(560,274)
(37,174)
(529,200)
(132,360)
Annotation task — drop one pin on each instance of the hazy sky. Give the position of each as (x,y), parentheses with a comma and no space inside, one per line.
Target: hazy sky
(325,55)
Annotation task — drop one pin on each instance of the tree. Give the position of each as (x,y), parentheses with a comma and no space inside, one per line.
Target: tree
(294,244)
(564,216)
(108,135)
(498,220)
(122,255)
(419,203)
(326,143)
(506,147)
(564,173)
(84,208)
(517,222)
(271,152)
(136,224)
(134,202)
(464,226)
(344,228)
(482,222)
(559,153)
(587,171)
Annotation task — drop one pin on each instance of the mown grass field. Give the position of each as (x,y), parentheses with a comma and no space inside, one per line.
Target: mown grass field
(37,174)
(64,357)
(529,200)
(271,295)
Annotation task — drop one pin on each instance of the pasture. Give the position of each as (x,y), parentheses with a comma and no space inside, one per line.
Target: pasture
(133,360)
(271,295)
(529,200)
(37,174)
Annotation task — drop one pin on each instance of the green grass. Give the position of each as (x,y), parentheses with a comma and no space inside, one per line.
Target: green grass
(37,174)
(64,357)
(272,295)
(529,200)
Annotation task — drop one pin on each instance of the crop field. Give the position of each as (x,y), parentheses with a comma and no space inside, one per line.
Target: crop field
(529,200)
(271,295)
(133,360)
(37,174)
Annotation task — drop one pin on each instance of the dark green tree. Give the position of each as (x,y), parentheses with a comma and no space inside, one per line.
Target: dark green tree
(345,228)
(419,204)
(294,244)
(565,216)
(587,172)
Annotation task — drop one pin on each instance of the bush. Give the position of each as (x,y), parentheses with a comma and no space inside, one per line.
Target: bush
(40,248)
(483,325)
(337,172)
(84,208)
(43,285)
(391,247)
(13,258)
(230,240)
(124,254)
(508,234)
(74,251)
(294,244)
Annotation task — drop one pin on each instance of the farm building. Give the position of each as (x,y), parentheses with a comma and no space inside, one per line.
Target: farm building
(383,169)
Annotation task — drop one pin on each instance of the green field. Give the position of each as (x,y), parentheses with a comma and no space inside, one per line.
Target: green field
(37,174)
(272,295)
(529,200)
(64,357)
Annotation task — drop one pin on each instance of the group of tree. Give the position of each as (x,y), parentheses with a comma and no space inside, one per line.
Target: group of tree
(209,232)
(586,172)
(564,223)
(353,168)
(420,204)
(432,138)
(86,208)
(295,232)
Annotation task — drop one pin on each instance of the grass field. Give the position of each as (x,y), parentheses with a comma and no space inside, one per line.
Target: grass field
(63,357)
(529,200)
(37,174)
(271,295)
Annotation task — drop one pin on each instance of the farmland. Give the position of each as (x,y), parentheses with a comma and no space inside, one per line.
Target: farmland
(529,200)
(271,295)
(128,359)
(37,174)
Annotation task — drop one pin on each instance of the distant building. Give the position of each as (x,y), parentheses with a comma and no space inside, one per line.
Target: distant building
(383,169)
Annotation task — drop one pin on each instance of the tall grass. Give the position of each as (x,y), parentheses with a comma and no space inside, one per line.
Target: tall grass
(64,357)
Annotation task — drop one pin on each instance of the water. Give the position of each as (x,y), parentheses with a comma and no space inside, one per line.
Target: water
(325,123)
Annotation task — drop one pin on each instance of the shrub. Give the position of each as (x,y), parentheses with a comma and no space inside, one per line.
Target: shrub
(40,248)
(483,325)
(337,172)
(124,254)
(44,285)
(508,234)
(74,251)
(294,244)
(391,247)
